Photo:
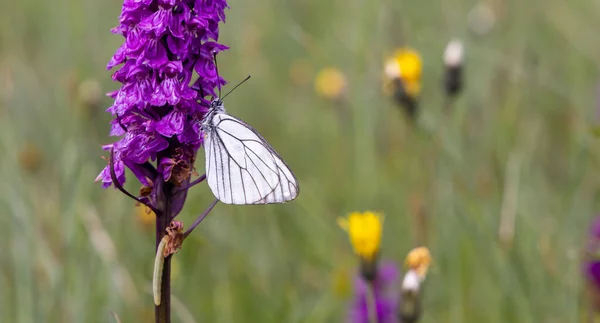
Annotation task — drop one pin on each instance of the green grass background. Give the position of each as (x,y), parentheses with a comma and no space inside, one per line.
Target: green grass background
(516,142)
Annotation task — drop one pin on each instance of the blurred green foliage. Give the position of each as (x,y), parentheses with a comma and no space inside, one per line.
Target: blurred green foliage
(516,144)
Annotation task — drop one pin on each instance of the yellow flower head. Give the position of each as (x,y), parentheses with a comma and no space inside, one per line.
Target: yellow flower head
(364,230)
(330,83)
(419,260)
(406,65)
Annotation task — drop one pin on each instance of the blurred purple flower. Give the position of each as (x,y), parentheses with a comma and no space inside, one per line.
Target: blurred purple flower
(592,258)
(386,296)
(156,111)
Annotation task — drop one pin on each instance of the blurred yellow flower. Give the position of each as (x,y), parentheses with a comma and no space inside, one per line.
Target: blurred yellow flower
(301,72)
(30,157)
(144,215)
(330,83)
(405,65)
(364,230)
(419,260)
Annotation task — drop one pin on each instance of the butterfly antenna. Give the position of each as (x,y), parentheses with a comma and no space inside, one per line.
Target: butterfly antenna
(235,87)
(217,69)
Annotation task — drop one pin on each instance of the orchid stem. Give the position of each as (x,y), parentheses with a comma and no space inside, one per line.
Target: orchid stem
(200,218)
(162,312)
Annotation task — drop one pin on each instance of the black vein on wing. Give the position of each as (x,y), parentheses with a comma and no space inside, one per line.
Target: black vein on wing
(268,146)
(264,144)
(224,155)
(230,184)
(249,127)
(270,150)
(207,151)
(213,162)
(291,182)
(215,152)
(245,169)
(253,163)
(248,158)
(243,186)
(271,195)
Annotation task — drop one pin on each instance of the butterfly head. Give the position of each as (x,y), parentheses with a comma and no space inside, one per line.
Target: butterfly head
(216,105)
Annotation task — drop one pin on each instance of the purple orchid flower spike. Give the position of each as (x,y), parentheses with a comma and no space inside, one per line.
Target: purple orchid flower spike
(156,112)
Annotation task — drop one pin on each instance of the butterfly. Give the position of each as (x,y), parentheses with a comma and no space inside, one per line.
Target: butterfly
(241,166)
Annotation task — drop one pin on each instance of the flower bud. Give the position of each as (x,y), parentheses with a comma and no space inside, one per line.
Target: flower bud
(402,73)
(453,62)
(410,298)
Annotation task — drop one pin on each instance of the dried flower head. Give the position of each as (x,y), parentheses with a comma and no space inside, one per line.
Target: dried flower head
(364,230)
(175,234)
(409,309)
(419,260)
(453,62)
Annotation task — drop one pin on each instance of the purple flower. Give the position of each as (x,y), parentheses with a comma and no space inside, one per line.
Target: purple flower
(156,112)
(386,296)
(592,262)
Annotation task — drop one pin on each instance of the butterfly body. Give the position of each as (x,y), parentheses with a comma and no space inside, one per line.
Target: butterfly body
(241,166)
(216,107)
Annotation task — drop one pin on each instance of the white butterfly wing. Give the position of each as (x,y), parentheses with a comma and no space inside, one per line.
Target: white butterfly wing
(242,168)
